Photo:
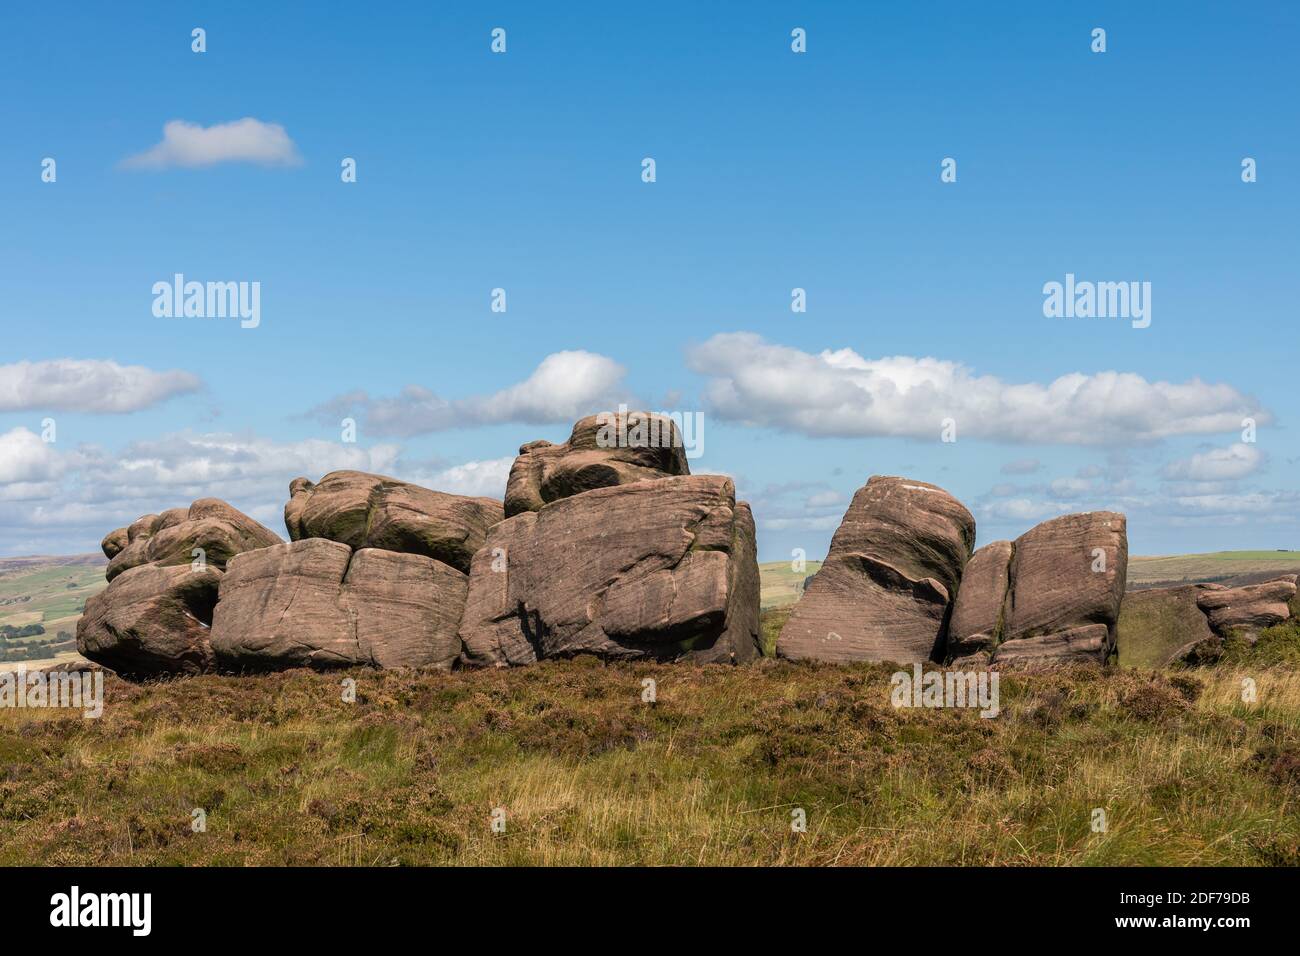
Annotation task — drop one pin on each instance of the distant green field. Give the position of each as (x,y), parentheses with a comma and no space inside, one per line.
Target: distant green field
(781,585)
(49,591)
(1214,566)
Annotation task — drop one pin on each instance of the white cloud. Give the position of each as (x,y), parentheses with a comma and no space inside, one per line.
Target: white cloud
(1217,464)
(563,388)
(840,393)
(478,479)
(26,460)
(190,145)
(88,385)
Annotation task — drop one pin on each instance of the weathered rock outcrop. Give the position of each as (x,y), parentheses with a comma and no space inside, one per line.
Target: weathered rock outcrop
(884,591)
(151,620)
(371,511)
(1245,611)
(316,603)
(663,569)
(1158,626)
(602,451)
(976,623)
(1051,595)
(170,538)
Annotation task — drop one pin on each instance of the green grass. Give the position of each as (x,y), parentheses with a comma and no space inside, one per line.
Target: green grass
(588,773)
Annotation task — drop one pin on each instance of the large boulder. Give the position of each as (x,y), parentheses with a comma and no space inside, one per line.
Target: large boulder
(1065,574)
(884,590)
(371,511)
(663,569)
(317,603)
(210,524)
(977,614)
(151,620)
(614,448)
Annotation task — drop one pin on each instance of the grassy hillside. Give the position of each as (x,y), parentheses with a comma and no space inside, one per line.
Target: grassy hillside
(587,773)
(781,584)
(50,591)
(1220,566)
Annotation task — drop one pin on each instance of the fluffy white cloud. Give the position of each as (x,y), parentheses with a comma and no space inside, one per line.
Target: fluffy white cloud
(840,393)
(242,141)
(88,385)
(26,460)
(1217,464)
(564,387)
(479,479)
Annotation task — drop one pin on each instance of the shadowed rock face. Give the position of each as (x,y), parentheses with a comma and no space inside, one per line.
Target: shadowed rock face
(171,537)
(316,603)
(602,451)
(371,511)
(1159,625)
(662,569)
(885,587)
(151,620)
(976,623)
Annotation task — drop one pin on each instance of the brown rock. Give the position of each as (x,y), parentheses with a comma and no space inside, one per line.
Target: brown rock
(151,620)
(976,622)
(661,569)
(1067,573)
(317,603)
(371,511)
(1088,642)
(1248,610)
(170,538)
(884,590)
(602,451)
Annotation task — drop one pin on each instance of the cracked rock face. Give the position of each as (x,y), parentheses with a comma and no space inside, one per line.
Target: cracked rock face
(664,569)
(883,592)
(976,623)
(1160,625)
(317,603)
(171,537)
(151,620)
(371,511)
(602,451)
(1066,574)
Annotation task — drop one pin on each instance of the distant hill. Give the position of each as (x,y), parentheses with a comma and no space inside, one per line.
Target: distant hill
(781,585)
(1221,567)
(47,590)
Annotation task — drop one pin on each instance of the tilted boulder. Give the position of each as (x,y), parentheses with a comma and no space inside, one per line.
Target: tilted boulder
(152,620)
(884,590)
(214,526)
(372,511)
(664,569)
(1246,611)
(318,603)
(1065,574)
(1158,626)
(613,448)
(976,623)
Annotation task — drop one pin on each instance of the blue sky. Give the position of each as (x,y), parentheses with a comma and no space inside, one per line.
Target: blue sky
(775,170)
